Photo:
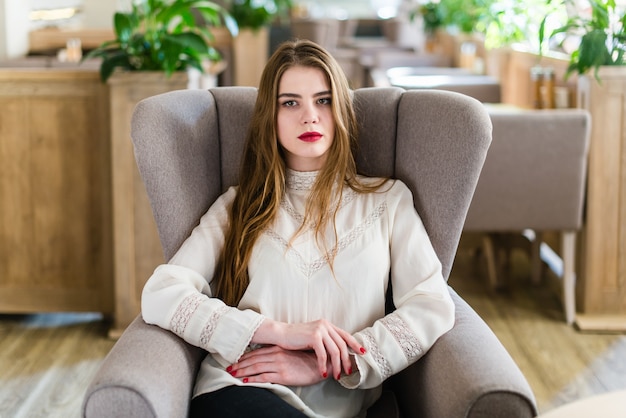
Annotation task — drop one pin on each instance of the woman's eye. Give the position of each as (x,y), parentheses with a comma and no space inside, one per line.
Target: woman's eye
(324,101)
(289,103)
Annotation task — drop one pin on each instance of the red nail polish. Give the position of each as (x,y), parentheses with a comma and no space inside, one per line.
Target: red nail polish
(362,350)
(229,369)
(338,376)
(245,380)
(325,375)
(350,370)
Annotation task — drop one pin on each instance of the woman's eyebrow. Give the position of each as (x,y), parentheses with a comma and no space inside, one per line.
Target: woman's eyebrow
(289,95)
(295,95)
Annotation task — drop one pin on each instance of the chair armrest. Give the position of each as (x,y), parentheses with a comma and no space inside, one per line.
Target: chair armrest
(467,373)
(149,372)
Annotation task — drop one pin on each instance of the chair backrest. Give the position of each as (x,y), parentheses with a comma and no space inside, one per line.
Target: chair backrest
(188,146)
(535,172)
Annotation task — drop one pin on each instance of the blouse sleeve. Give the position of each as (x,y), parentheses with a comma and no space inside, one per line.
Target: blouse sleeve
(177,296)
(424,308)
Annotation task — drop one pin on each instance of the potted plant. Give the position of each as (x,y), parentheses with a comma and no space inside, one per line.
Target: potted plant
(602,36)
(162,35)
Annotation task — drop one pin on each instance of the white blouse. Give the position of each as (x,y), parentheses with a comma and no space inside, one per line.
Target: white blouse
(379,236)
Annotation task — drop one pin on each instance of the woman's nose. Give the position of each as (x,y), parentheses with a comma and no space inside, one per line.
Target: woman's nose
(310,115)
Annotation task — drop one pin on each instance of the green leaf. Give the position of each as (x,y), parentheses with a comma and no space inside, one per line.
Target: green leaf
(188,40)
(542,34)
(104,50)
(109,64)
(167,14)
(599,14)
(593,51)
(124,25)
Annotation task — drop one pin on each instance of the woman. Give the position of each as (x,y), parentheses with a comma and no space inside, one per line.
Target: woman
(283,282)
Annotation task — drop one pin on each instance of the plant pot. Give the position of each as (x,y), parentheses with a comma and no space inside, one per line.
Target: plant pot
(136,246)
(603,287)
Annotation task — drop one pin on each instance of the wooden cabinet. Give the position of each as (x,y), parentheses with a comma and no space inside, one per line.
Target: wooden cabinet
(76,228)
(55,192)
(603,290)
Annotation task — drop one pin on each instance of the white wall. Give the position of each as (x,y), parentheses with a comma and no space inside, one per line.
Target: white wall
(3,35)
(99,14)
(342,9)
(14,21)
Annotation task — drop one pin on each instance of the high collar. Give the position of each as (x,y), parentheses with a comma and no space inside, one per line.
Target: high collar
(300,180)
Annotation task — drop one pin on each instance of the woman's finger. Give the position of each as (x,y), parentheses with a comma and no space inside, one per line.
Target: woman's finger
(351,341)
(336,348)
(322,357)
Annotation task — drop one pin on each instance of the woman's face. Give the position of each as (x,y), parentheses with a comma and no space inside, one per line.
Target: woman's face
(306,127)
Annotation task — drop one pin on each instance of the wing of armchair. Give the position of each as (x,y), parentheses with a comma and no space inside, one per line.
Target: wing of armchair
(435,141)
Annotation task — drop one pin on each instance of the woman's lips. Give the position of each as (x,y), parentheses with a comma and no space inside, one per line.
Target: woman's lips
(310,136)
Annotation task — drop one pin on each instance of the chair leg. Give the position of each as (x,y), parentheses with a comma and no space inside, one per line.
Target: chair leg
(535,259)
(490,257)
(569,275)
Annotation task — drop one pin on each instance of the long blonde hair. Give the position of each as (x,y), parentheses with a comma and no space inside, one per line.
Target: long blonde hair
(262,173)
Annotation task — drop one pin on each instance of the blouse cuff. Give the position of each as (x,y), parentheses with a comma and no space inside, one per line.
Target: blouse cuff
(353,381)
(241,326)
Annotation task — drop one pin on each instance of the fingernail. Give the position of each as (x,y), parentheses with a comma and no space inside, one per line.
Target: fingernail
(229,369)
(362,350)
(233,373)
(324,375)
(245,380)
(338,376)
(350,370)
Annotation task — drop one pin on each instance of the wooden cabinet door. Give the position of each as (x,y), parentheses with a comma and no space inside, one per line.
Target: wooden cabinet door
(55,192)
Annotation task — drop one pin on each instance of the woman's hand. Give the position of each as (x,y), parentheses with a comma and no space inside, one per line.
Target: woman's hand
(331,344)
(274,364)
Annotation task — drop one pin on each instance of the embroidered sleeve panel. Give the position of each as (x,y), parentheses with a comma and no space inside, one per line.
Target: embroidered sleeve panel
(403,335)
(184,312)
(372,347)
(209,328)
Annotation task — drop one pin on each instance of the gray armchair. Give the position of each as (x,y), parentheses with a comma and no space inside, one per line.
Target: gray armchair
(188,144)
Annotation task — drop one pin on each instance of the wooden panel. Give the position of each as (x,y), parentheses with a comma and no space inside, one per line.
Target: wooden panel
(605,231)
(55,216)
(250,52)
(512,68)
(55,38)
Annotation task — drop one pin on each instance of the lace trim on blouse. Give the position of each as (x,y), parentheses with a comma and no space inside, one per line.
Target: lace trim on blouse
(310,268)
(374,350)
(183,313)
(300,180)
(209,328)
(403,335)
(348,196)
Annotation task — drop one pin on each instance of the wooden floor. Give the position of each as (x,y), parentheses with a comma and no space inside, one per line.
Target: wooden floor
(560,363)
(46,361)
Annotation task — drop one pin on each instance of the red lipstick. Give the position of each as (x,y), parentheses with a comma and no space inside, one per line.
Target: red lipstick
(310,136)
